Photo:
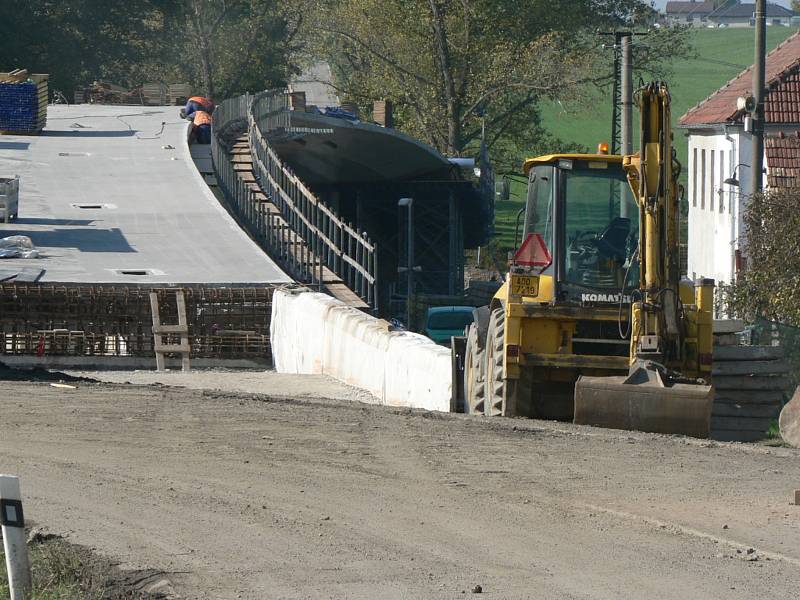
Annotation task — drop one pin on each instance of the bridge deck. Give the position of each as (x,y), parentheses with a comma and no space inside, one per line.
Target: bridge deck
(105,190)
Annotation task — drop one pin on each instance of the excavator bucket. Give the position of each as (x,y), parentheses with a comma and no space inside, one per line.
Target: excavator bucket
(644,401)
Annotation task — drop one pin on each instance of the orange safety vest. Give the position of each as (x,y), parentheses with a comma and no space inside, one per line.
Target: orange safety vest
(201,117)
(204,102)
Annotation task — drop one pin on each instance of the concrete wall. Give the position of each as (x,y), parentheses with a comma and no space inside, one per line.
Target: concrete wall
(315,334)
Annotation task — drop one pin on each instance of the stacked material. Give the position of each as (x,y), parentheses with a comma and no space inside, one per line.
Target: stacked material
(154,94)
(23,102)
(750,383)
(9,198)
(102,92)
(179,93)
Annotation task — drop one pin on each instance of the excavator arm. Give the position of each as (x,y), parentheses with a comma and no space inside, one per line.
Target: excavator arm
(656,395)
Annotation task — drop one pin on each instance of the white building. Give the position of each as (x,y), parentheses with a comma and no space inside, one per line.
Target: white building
(689,12)
(743,15)
(720,150)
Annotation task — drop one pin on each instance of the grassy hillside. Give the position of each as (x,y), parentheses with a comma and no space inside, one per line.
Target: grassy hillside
(721,55)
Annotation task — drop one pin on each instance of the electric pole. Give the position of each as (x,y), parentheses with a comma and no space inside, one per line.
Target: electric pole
(759,67)
(626,105)
(622,107)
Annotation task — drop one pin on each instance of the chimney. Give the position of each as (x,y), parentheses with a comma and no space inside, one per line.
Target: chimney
(382,113)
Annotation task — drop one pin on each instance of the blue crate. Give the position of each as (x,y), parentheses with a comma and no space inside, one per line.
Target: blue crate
(19,107)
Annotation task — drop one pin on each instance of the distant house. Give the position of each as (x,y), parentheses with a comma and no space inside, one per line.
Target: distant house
(742,15)
(688,13)
(720,150)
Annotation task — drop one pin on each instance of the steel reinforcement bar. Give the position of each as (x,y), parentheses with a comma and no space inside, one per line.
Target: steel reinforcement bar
(302,233)
(102,320)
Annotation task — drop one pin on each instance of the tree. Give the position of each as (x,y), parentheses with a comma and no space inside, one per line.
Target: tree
(230,46)
(221,47)
(796,6)
(769,287)
(450,64)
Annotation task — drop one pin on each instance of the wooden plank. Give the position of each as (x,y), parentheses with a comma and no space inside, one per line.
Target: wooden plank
(750,367)
(743,423)
(749,396)
(162,329)
(744,353)
(744,382)
(770,411)
(723,435)
(728,325)
(154,311)
(29,275)
(171,348)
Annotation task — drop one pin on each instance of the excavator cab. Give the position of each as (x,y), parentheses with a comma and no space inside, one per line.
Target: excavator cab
(580,206)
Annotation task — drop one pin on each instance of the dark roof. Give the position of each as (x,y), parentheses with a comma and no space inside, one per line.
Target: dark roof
(687,8)
(782,101)
(746,11)
(783,160)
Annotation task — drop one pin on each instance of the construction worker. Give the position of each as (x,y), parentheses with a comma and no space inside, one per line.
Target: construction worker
(202,127)
(196,103)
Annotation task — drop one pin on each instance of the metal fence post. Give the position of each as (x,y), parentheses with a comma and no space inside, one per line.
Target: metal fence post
(15,546)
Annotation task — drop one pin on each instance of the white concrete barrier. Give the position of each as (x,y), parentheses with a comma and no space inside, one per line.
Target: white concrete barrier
(315,334)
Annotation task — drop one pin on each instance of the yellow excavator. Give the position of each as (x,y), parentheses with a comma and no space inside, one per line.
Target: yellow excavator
(593,322)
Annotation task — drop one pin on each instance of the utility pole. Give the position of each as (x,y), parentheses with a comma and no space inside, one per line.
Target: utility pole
(622,111)
(758,95)
(408,203)
(626,102)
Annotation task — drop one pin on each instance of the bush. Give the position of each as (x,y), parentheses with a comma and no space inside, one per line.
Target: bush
(769,286)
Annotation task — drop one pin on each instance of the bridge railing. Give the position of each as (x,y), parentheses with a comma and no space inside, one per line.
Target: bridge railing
(303,233)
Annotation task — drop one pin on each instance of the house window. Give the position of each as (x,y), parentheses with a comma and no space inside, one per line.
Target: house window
(711,187)
(702,179)
(694,177)
(721,179)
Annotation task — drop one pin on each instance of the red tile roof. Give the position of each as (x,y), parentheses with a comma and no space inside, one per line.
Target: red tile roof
(783,160)
(783,64)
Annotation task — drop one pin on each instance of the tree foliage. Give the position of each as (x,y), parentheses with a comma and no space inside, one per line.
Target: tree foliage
(221,47)
(769,287)
(450,64)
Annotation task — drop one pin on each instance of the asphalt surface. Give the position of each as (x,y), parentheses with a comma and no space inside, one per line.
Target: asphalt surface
(253,496)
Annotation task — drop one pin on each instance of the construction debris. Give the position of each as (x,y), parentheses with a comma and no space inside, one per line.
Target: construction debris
(148,94)
(18,246)
(23,102)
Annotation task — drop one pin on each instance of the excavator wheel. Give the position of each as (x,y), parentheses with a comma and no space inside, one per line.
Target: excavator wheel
(474,378)
(502,395)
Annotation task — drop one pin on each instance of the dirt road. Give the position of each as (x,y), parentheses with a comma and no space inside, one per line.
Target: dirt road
(239,496)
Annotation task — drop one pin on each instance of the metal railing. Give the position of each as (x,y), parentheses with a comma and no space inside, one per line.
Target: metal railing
(299,230)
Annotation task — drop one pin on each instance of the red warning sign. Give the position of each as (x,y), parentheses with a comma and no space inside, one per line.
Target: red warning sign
(533,252)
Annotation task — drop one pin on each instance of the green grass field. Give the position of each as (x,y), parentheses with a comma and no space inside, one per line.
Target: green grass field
(721,54)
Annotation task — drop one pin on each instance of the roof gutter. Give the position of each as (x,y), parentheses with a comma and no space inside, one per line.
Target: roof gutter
(709,126)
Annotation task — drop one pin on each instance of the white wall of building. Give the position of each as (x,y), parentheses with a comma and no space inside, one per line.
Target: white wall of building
(716,231)
(714,222)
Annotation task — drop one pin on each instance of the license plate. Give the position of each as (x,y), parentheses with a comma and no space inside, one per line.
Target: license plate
(522,285)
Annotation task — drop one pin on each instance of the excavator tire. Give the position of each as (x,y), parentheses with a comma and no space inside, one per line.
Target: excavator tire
(502,395)
(474,378)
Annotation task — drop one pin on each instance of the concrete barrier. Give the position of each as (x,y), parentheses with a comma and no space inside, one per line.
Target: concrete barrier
(315,334)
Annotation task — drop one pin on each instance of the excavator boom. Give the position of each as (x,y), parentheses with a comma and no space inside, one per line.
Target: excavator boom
(670,340)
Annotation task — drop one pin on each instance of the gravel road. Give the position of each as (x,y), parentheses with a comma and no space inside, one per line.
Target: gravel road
(237,495)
